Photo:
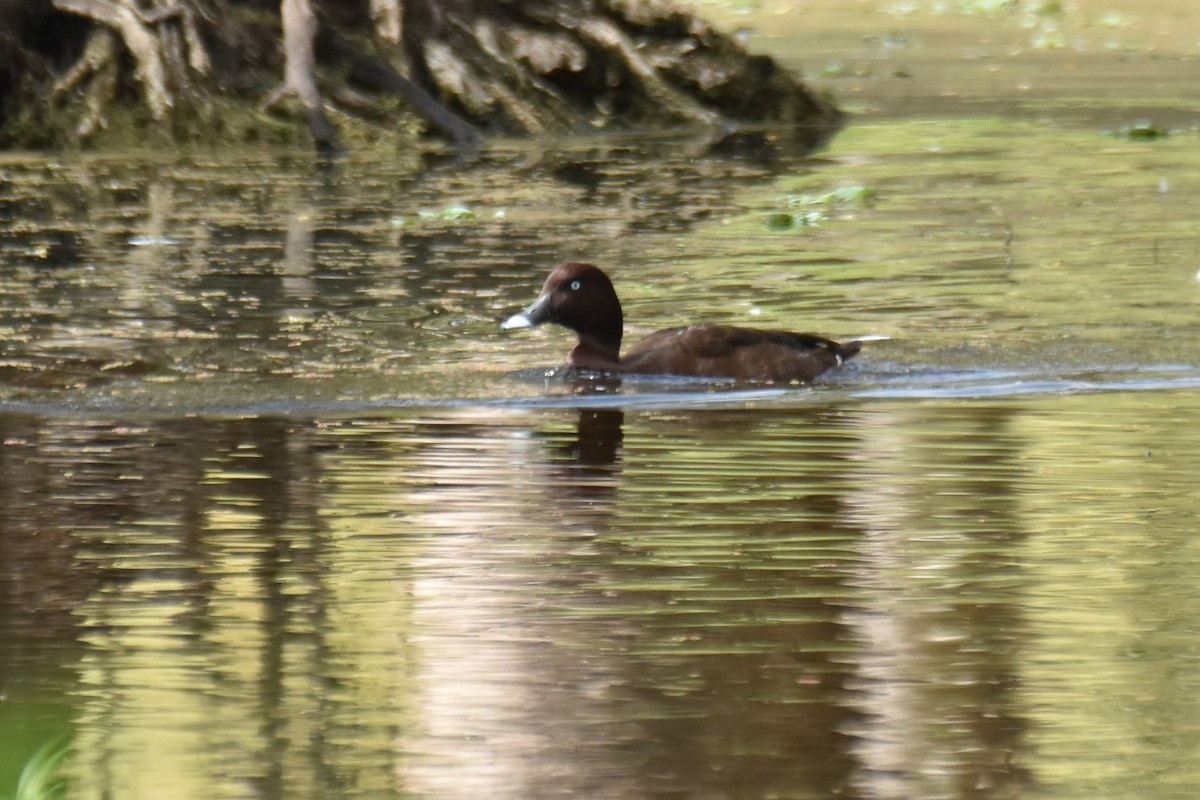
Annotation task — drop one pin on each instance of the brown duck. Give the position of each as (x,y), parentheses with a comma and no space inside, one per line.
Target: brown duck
(581,297)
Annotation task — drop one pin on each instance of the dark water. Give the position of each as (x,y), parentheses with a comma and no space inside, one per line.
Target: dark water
(284,514)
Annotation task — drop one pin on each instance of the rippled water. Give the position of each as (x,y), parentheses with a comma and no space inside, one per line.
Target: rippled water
(283,513)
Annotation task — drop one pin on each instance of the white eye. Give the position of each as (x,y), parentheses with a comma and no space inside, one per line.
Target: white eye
(575,285)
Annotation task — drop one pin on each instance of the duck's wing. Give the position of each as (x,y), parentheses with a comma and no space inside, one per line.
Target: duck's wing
(721,351)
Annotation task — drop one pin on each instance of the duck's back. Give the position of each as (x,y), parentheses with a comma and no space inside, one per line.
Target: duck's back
(720,351)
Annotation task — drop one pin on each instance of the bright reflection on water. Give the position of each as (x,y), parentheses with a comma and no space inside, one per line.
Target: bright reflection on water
(283,514)
(884,600)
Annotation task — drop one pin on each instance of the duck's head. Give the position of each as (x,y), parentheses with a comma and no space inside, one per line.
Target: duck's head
(580,297)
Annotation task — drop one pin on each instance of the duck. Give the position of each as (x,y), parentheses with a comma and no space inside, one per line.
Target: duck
(581,297)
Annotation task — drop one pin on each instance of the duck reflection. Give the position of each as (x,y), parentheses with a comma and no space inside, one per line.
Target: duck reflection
(586,464)
(600,436)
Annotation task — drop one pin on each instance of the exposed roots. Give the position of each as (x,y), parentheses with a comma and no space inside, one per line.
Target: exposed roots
(388,17)
(163,40)
(299,32)
(563,64)
(98,67)
(534,66)
(604,33)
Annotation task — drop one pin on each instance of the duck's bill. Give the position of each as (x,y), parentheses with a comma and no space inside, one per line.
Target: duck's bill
(542,310)
(516,321)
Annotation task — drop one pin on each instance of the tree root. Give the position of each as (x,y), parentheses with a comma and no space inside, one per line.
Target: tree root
(380,75)
(605,33)
(299,33)
(388,17)
(98,62)
(140,41)
(159,50)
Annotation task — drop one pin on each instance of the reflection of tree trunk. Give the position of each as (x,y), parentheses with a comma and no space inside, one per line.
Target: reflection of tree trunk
(530,67)
(939,638)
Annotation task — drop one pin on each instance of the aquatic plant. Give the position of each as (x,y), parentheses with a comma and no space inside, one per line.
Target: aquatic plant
(802,210)
(40,777)
(1143,130)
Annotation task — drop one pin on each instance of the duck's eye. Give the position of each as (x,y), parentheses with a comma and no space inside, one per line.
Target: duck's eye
(576,285)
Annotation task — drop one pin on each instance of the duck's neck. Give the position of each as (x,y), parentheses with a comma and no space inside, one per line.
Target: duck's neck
(599,325)
(595,353)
